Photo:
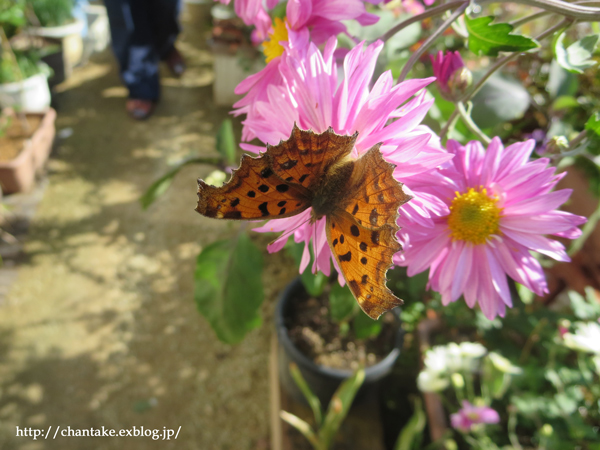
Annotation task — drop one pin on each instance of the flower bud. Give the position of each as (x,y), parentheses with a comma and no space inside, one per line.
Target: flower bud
(458,381)
(453,78)
(556,145)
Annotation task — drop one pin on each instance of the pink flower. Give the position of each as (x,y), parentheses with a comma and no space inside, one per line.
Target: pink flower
(308,93)
(252,12)
(445,69)
(470,415)
(498,207)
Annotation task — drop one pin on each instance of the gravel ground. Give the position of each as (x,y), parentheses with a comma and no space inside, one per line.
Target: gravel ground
(99,328)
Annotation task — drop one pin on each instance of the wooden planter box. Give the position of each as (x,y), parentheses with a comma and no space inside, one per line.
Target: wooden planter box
(18,175)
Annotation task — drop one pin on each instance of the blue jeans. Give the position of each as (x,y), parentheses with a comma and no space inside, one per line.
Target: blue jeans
(143,32)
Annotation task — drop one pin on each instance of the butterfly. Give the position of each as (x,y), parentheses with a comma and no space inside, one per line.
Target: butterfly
(359,198)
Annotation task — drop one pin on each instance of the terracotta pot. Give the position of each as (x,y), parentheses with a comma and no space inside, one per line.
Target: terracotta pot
(18,175)
(322,380)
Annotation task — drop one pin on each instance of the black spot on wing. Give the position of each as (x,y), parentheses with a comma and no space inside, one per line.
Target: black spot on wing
(303,177)
(251,194)
(266,173)
(282,203)
(354,230)
(282,187)
(263,188)
(235,202)
(289,164)
(345,258)
(354,285)
(364,279)
(375,237)
(263,208)
(342,238)
(355,210)
(373,216)
(232,215)
(289,179)
(363,246)
(363,260)
(282,211)
(335,242)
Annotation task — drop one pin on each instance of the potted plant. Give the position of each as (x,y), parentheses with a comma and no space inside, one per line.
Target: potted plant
(23,79)
(322,331)
(234,55)
(53,20)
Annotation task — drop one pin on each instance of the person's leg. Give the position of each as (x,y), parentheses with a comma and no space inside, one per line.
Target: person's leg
(133,43)
(165,21)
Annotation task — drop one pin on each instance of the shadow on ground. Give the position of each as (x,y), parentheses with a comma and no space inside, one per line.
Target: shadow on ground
(100,329)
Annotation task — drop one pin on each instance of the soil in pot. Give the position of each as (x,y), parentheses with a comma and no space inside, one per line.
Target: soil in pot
(12,141)
(311,329)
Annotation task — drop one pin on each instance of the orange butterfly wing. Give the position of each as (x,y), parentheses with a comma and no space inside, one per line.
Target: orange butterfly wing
(306,156)
(362,232)
(253,192)
(376,195)
(364,256)
(280,182)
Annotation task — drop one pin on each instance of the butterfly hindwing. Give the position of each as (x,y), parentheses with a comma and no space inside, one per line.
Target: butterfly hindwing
(253,192)
(306,156)
(364,256)
(377,195)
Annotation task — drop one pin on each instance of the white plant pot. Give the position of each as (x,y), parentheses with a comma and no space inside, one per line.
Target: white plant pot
(98,36)
(228,74)
(70,37)
(31,94)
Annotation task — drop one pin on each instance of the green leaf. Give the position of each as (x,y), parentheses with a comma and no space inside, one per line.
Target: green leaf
(577,57)
(339,406)
(160,186)
(364,326)
(411,434)
(300,425)
(342,304)
(228,287)
(310,397)
(501,99)
(226,142)
(488,39)
(585,307)
(565,102)
(593,124)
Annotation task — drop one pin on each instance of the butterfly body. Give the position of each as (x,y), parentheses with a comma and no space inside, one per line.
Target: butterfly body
(359,198)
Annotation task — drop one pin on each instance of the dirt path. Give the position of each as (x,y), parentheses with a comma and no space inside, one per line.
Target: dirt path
(100,329)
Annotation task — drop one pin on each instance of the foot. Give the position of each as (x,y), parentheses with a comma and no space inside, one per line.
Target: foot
(139,109)
(175,62)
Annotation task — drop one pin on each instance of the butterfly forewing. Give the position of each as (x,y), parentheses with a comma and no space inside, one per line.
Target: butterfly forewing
(376,195)
(364,256)
(306,157)
(253,192)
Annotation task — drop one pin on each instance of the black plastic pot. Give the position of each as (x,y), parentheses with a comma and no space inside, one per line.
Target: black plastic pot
(322,380)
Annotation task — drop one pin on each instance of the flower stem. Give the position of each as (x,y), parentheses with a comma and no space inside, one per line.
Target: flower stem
(497,65)
(471,125)
(572,10)
(512,429)
(420,17)
(430,40)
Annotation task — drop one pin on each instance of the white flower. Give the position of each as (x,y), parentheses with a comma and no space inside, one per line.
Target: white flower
(503,364)
(472,350)
(454,357)
(431,381)
(585,339)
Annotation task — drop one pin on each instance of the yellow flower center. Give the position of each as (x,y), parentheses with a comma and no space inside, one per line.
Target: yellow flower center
(272,47)
(474,216)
